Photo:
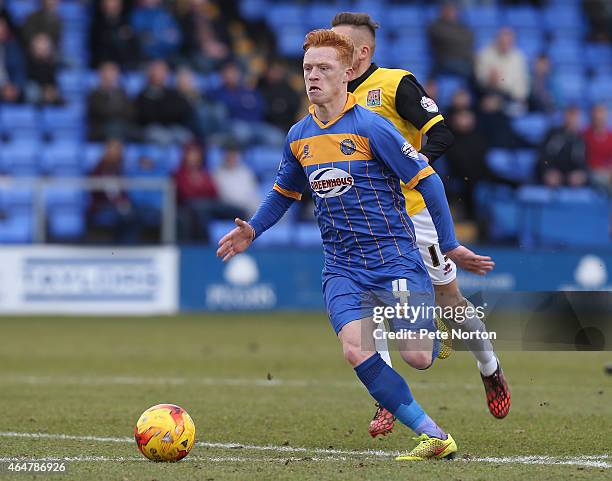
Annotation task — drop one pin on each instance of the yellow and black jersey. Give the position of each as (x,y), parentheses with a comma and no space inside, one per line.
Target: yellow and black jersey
(396,95)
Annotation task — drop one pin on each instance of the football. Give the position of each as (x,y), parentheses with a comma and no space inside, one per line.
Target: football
(165,432)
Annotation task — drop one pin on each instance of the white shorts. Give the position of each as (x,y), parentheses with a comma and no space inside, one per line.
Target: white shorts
(441,269)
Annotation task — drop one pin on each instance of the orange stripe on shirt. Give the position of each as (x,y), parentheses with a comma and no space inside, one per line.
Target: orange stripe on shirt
(425,172)
(328,148)
(287,193)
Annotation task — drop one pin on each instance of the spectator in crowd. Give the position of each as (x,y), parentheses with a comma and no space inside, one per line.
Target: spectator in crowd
(45,20)
(598,140)
(461,100)
(205,34)
(543,96)
(466,158)
(111,206)
(109,110)
(158,33)
(282,101)
(8,18)
(496,125)
(562,154)
(452,43)
(111,37)
(502,67)
(599,13)
(246,109)
(198,197)
(12,68)
(162,112)
(42,71)
(236,183)
(208,118)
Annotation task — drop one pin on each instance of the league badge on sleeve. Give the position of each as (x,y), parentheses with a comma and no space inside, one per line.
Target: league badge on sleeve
(409,151)
(429,105)
(374,98)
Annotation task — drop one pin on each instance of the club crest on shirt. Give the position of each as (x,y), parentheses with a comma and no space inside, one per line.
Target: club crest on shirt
(348,147)
(429,105)
(374,98)
(307,154)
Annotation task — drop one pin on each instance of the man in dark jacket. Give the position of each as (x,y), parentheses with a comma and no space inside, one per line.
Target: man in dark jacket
(563,154)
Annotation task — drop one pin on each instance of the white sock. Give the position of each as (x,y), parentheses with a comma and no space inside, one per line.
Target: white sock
(383,347)
(481,349)
(487,368)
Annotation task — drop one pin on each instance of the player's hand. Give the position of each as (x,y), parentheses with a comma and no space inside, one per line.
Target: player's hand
(236,241)
(470,261)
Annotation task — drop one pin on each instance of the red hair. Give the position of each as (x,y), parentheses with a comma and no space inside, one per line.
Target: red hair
(328,38)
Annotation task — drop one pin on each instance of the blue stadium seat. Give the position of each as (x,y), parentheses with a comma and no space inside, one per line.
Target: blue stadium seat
(16,229)
(307,234)
(598,54)
(20,158)
(483,36)
(63,123)
(404,18)
(281,234)
(16,198)
(566,51)
(66,223)
(263,159)
(533,127)
(62,159)
(482,16)
(92,155)
(522,16)
(18,117)
(16,221)
(290,39)
(134,82)
(283,14)
(65,212)
(319,15)
(21,9)
(567,17)
(447,86)
(530,42)
(572,87)
(600,89)
(253,9)
(214,157)
(499,210)
(375,8)
(515,165)
(72,83)
(547,213)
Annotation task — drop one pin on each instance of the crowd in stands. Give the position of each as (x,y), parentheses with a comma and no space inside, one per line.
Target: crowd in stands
(208,77)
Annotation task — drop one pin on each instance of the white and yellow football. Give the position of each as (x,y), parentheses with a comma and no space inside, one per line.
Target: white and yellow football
(165,432)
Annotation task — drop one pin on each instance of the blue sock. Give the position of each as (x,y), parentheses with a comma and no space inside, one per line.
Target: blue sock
(391,391)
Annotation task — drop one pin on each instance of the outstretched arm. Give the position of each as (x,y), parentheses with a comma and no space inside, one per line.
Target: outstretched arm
(290,182)
(240,238)
(432,190)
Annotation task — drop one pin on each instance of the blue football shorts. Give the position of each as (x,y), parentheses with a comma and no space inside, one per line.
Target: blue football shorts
(352,294)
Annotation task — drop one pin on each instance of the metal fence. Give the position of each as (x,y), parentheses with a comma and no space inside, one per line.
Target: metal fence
(41,186)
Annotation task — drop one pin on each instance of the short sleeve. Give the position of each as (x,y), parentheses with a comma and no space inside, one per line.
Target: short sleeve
(415,105)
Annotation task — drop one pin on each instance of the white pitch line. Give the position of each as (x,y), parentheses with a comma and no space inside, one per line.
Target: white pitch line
(218,459)
(588,461)
(244,382)
(593,461)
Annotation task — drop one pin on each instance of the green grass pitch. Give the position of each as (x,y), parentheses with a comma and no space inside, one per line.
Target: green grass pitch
(273,399)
